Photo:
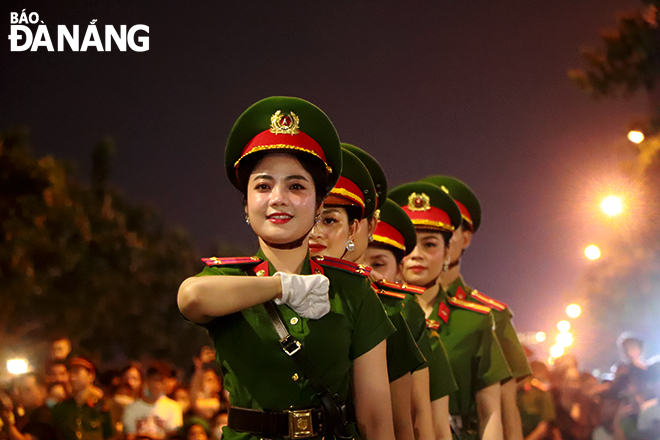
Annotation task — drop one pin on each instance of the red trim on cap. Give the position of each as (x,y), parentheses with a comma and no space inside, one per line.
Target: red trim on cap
(388,234)
(348,190)
(433,218)
(266,140)
(464,212)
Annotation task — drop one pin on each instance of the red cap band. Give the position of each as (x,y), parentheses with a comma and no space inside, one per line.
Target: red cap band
(464,213)
(349,191)
(432,218)
(387,234)
(267,140)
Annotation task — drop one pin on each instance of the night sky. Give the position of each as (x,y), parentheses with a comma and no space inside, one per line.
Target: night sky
(474,89)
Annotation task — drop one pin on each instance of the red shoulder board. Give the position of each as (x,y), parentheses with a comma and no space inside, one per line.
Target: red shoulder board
(490,302)
(398,287)
(387,292)
(215,261)
(345,265)
(434,325)
(469,305)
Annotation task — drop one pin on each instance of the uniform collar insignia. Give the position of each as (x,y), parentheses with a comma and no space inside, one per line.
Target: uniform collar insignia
(443,312)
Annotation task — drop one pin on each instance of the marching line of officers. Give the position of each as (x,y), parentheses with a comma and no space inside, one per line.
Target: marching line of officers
(353,319)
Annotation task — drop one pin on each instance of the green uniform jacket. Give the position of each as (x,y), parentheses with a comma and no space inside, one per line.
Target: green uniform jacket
(81,422)
(506,333)
(257,372)
(441,378)
(476,357)
(403,354)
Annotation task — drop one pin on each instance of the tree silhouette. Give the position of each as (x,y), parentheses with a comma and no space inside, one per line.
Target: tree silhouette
(86,262)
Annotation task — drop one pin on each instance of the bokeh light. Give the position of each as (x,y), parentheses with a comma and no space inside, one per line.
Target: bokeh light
(556,351)
(563,326)
(635,136)
(540,337)
(17,366)
(564,339)
(612,205)
(573,310)
(592,252)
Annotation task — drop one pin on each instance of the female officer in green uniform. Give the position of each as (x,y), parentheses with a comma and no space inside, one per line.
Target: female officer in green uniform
(453,283)
(283,154)
(393,239)
(350,202)
(466,329)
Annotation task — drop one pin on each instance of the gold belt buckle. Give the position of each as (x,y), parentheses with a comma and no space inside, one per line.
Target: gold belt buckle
(300,424)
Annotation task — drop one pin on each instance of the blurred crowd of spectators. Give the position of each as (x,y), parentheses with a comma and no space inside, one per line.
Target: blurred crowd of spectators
(561,402)
(71,400)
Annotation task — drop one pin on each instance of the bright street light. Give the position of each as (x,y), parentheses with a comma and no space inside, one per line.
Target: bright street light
(592,252)
(612,205)
(17,366)
(635,136)
(573,310)
(540,337)
(556,351)
(563,326)
(564,339)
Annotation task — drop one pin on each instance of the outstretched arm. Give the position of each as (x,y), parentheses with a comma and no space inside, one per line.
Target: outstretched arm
(201,299)
(372,395)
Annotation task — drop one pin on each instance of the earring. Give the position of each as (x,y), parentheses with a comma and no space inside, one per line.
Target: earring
(247,218)
(445,268)
(350,245)
(371,238)
(317,219)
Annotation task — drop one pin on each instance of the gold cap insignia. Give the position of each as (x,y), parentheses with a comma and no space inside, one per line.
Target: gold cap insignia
(284,124)
(419,202)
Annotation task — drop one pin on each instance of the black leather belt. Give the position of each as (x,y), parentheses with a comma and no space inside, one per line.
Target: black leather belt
(294,424)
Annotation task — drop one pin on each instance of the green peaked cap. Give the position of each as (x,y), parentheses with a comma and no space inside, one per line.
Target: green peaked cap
(428,206)
(284,124)
(463,196)
(394,219)
(355,186)
(376,171)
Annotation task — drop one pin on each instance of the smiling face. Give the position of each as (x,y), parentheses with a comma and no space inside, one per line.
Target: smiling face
(280,199)
(382,262)
(424,265)
(329,236)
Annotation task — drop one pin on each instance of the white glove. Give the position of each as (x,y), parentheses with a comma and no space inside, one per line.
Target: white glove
(307,295)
